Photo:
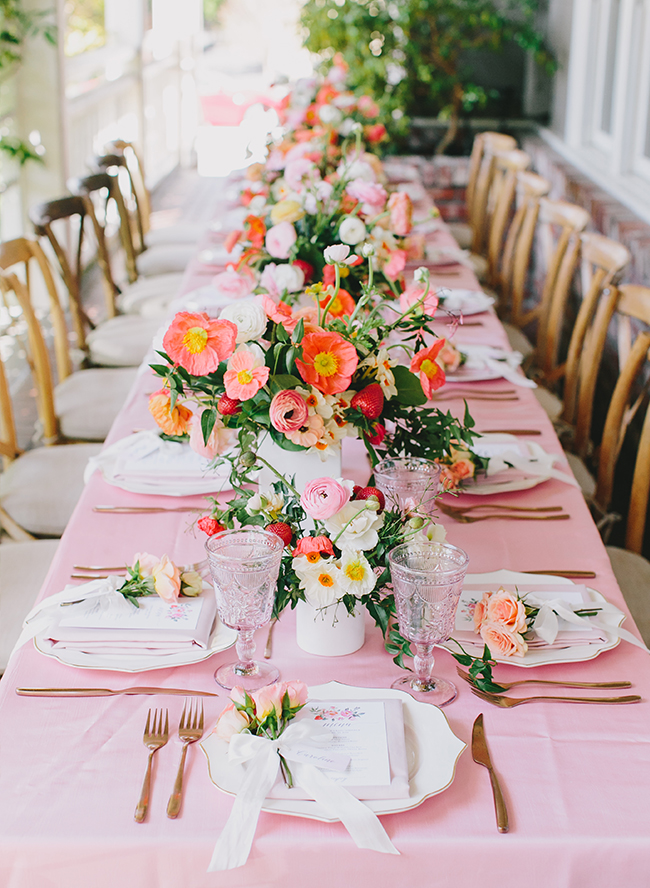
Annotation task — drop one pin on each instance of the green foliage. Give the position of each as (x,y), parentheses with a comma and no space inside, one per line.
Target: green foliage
(19,150)
(410,55)
(211,10)
(16,25)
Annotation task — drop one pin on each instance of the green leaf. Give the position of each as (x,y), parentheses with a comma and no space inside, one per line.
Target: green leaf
(409,390)
(281,381)
(283,442)
(208,419)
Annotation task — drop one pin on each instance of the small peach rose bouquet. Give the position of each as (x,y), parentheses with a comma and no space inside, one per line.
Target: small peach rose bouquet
(460,464)
(501,619)
(150,575)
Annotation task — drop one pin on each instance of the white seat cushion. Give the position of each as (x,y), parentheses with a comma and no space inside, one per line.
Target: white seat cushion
(187,233)
(550,402)
(479,265)
(165,259)
(123,341)
(518,340)
(160,289)
(40,489)
(87,402)
(462,234)
(632,573)
(23,568)
(582,475)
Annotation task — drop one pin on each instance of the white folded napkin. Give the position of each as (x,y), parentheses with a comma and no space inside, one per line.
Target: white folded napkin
(145,463)
(495,359)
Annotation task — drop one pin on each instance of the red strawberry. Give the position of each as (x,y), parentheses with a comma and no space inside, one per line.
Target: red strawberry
(369,401)
(367,492)
(210,525)
(281,529)
(378,433)
(228,406)
(307,269)
(355,490)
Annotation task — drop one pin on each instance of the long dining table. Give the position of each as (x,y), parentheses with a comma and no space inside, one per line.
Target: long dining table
(575,777)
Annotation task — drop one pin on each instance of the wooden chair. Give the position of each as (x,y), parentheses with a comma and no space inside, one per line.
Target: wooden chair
(507,164)
(119,341)
(84,403)
(39,488)
(142,260)
(149,297)
(483,192)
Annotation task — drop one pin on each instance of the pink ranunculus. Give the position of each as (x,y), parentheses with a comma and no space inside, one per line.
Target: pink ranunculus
(233,285)
(288,411)
(323,498)
(279,240)
(401,209)
(220,440)
(167,580)
(480,610)
(395,265)
(371,195)
(231,721)
(505,609)
(298,692)
(502,641)
(146,561)
(413,294)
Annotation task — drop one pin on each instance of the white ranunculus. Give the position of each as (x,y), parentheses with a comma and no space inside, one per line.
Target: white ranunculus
(289,278)
(347,127)
(249,318)
(330,115)
(362,526)
(352,230)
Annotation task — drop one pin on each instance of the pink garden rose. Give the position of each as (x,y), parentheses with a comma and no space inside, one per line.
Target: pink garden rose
(323,498)
(231,722)
(288,411)
(267,699)
(502,641)
(480,610)
(233,285)
(401,208)
(279,240)
(146,561)
(298,692)
(167,580)
(506,609)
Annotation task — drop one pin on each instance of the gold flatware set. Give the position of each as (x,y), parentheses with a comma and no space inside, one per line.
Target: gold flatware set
(510,702)
(156,735)
(109,692)
(503,511)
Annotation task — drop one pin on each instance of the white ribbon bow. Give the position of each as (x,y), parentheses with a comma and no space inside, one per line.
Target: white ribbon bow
(234,844)
(546,622)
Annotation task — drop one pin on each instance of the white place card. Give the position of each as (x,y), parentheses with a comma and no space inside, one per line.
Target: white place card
(153,613)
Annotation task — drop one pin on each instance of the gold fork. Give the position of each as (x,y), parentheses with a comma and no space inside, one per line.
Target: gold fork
(509,702)
(460,510)
(155,737)
(547,681)
(190,730)
(509,516)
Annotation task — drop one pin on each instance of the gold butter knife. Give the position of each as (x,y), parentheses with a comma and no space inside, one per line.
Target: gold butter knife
(577,574)
(481,756)
(107,692)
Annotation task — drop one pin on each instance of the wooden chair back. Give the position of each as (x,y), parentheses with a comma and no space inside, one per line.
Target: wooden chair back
(24,252)
(481,197)
(39,363)
(602,263)
(132,224)
(135,170)
(632,305)
(507,164)
(530,188)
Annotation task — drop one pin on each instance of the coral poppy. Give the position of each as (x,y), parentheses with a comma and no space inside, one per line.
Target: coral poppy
(328,362)
(246,374)
(432,376)
(256,231)
(198,342)
(342,306)
(172,422)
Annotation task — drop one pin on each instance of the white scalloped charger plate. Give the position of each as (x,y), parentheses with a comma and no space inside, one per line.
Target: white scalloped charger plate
(465,302)
(431,746)
(541,657)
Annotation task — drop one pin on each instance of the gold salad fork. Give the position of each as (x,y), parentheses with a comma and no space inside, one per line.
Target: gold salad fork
(547,681)
(155,737)
(190,730)
(510,702)
(461,510)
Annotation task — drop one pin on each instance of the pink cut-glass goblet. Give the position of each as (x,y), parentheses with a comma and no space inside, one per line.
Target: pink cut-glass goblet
(427,581)
(244,565)
(409,482)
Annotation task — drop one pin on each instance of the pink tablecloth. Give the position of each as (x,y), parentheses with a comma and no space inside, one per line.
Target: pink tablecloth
(575,777)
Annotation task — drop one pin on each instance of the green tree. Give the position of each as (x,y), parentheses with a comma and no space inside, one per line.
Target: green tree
(411,55)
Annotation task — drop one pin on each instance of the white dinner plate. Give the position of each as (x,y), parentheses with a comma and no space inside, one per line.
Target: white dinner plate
(206,298)
(431,746)
(218,256)
(540,656)
(465,302)
(507,481)
(221,639)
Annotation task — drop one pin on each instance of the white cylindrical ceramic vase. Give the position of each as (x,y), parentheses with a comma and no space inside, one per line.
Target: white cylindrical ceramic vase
(329,631)
(305,466)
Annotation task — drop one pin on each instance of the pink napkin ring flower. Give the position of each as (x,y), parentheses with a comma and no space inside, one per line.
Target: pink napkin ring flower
(297,691)
(246,374)
(328,362)
(502,641)
(323,498)
(432,376)
(167,580)
(288,411)
(339,254)
(279,240)
(507,610)
(199,343)
(146,563)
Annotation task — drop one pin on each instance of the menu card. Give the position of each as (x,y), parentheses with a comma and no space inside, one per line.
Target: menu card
(368,744)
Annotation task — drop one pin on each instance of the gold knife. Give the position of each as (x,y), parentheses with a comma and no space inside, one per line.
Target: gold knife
(481,756)
(107,692)
(576,574)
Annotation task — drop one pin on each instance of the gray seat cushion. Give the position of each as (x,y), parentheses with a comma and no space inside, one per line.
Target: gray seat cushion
(462,233)
(165,259)
(632,573)
(40,489)
(582,475)
(23,568)
(518,340)
(87,402)
(150,296)
(123,341)
(550,402)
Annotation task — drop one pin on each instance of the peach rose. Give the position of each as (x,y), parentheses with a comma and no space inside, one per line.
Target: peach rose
(167,580)
(449,357)
(463,468)
(506,609)
(146,561)
(503,642)
(480,610)
(268,699)
(220,440)
(230,722)
(298,692)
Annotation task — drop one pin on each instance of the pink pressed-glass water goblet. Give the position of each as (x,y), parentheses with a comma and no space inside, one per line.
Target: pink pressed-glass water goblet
(427,581)
(244,565)
(409,481)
